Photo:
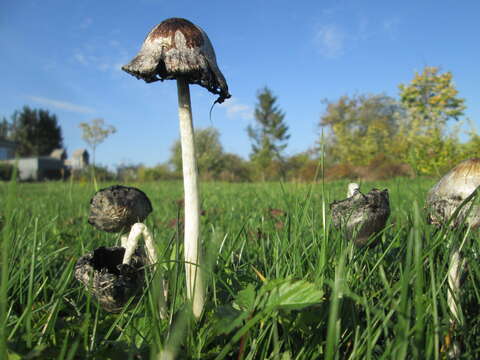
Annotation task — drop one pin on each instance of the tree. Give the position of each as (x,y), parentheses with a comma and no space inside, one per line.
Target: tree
(4,129)
(209,152)
(270,134)
(35,131)
(431,100)
(360,127)
(94,133)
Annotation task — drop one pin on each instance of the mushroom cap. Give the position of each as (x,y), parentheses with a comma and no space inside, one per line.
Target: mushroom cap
(362,215)
(450,191)
(117,208)
(111,282)
(177,48)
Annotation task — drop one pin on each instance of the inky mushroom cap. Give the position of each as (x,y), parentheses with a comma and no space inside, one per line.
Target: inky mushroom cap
(111,282)
(362,215)
(452,189)
(117,208)
(177,48)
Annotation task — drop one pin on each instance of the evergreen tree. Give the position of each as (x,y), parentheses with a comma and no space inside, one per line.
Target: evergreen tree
(36,132)
(269,135)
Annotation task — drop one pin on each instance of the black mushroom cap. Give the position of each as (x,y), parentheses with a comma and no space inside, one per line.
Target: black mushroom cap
(117,208)
(107,279)
(177,48)
(362,215)
(451,191)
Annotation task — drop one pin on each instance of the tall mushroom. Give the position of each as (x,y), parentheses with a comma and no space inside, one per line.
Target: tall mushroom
(178,49)
(450,202)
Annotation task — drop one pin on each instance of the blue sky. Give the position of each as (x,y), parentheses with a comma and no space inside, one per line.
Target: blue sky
(65,56)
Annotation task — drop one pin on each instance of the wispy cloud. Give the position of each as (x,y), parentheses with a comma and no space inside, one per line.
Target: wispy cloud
(63,105)
(330,40)
(390,26)
(101,53)
(86,23)
(237,110)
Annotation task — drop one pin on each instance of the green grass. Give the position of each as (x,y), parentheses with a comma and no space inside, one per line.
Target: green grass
(280,287)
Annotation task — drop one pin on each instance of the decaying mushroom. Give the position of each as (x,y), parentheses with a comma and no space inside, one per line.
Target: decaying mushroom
(178,49)
(452,201)
(361,215)
(107,279)
(115,274)
(123,209)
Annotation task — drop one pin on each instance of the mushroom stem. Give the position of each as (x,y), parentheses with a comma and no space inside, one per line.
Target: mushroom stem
(455,272)
(352,187)
(131,244)
(195,290)
(454,275)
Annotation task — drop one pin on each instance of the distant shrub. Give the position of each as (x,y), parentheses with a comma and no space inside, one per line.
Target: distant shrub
(341,171)
(102,173)
(6,171)
(380,168)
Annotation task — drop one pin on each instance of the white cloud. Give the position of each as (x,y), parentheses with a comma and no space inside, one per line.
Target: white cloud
(237,110)
(63,105)
(330,40)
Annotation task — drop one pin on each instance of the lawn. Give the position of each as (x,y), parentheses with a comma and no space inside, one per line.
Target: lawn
(283,283)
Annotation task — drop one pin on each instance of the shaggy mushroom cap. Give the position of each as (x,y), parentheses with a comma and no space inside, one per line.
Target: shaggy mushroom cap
(178,48)
(117,208)
(452,189)
(104,276)
(362,215)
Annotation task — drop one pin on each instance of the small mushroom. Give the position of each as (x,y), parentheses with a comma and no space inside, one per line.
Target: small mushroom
(118,209)
(451,201)
(113,284)
(178,49)
(361,215)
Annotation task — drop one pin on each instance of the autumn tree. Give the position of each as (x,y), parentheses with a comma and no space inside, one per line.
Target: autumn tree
(94,133)
(430,100)
(360,127)
(36,132)
(269,135)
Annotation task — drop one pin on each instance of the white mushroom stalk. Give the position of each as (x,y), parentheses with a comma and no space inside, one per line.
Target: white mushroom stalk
(130,244)
(139,230)
(178,49)
(194,277)
(352,188)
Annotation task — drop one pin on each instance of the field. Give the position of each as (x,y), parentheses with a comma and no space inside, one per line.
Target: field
(283,283)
